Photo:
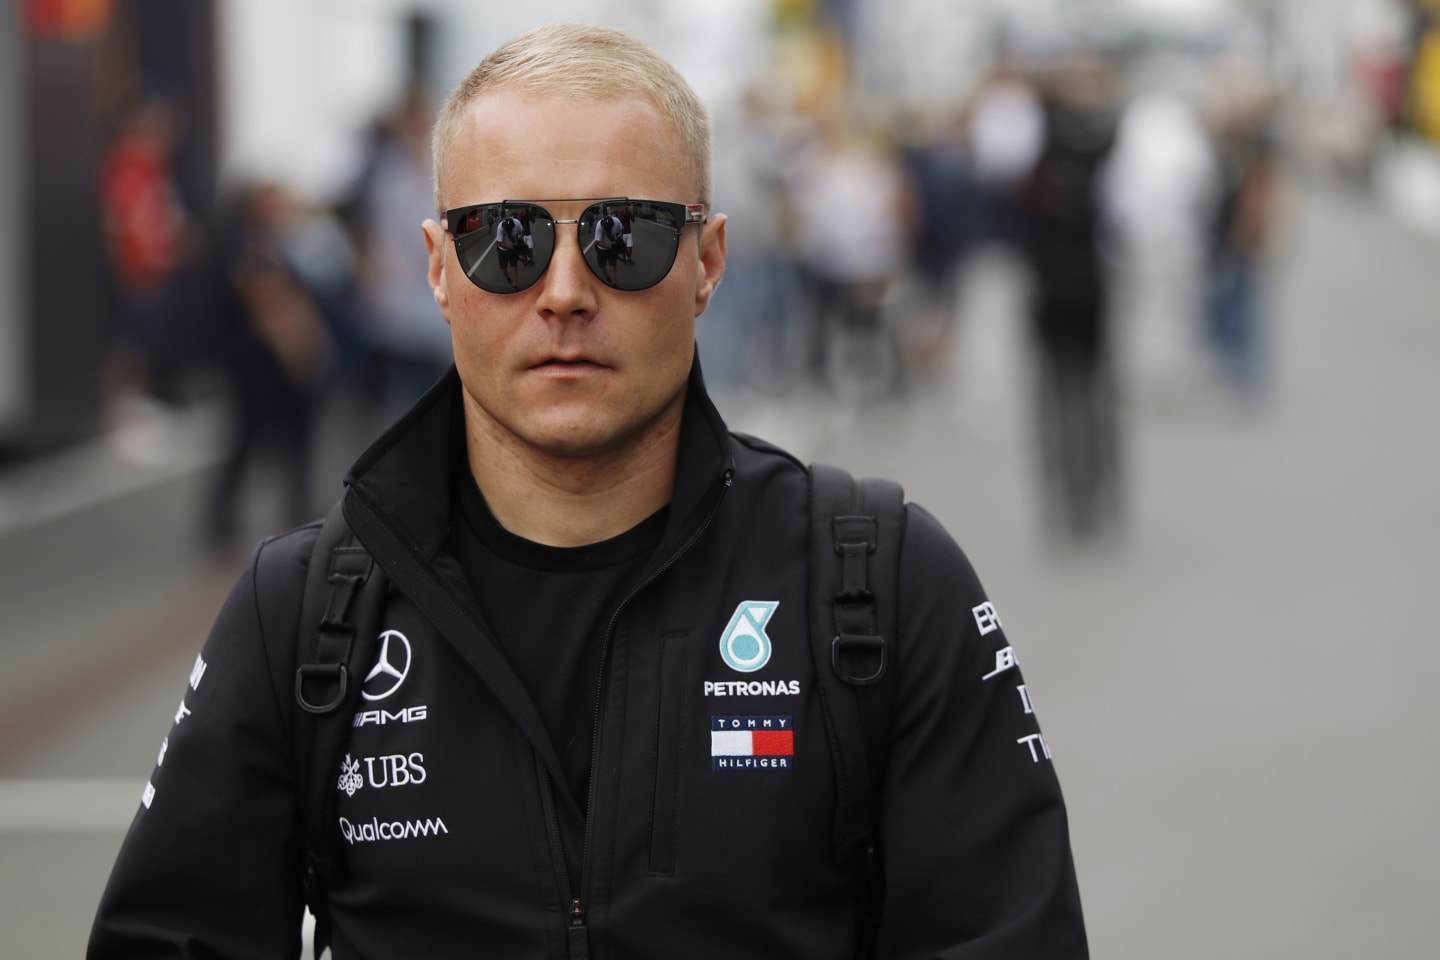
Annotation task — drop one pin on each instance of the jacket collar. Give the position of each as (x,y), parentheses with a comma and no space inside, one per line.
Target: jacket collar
(406,477)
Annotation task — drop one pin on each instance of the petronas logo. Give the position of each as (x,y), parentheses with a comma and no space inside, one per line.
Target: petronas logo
(744,645)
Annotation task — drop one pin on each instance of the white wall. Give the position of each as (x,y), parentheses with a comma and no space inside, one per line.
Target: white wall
(1179,12)
(919,53)
(300,79)
(1314,44)
(716,45)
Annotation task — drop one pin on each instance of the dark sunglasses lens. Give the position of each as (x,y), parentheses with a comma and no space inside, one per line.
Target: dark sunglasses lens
(630,246)
(506,247)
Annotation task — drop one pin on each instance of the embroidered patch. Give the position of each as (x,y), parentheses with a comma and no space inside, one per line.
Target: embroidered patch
(744,645)
(752,743)
(350,779)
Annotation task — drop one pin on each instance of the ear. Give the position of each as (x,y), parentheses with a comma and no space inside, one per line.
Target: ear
(712,261)
(435,272)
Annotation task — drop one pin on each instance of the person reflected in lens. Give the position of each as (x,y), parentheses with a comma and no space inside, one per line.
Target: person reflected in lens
(510,241)
(627,250)
(609,240)
(526,248)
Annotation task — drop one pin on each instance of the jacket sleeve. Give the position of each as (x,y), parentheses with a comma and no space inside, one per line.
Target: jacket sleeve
(210,867)
(975,845)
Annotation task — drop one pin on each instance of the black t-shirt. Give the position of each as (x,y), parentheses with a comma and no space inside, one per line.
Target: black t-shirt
(548,609)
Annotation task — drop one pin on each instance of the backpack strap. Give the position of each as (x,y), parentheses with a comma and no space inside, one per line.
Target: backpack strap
(854,573)
(336,642)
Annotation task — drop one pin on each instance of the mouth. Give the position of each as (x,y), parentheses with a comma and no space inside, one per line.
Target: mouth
(568,363)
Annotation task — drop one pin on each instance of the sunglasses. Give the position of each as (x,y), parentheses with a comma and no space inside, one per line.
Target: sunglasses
(628,244)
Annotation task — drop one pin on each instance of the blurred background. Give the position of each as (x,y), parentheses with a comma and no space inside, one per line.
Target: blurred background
(1137,296)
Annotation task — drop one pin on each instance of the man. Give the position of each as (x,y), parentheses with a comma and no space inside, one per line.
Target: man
(570,507)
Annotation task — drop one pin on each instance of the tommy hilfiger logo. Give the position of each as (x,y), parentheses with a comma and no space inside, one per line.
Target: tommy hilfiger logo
(744,645)
(752,743)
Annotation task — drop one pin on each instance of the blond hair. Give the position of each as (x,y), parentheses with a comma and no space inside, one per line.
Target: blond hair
(582,62)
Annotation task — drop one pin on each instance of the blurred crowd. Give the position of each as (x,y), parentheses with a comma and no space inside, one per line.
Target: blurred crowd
(278,303)
(1141,219)
(1141,213)
(850,239)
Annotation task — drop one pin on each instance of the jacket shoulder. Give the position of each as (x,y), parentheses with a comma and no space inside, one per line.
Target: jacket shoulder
(934,568)
(274,583)
(750,447)
(280,563)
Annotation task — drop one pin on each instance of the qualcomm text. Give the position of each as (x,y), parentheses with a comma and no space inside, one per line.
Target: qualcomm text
(376,829)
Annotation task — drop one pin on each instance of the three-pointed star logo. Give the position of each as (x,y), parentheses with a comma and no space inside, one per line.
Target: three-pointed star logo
(391,666)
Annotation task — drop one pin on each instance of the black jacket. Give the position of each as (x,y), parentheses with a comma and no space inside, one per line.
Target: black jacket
(456,814)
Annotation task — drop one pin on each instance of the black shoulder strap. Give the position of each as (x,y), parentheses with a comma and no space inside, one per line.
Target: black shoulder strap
(854,573)
(336,641)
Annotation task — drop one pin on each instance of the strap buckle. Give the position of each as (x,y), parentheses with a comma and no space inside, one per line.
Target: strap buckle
(855,539)
(321,673)
(862,644)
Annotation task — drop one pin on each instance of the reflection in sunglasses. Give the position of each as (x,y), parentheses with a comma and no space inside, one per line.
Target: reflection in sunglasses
(522,235)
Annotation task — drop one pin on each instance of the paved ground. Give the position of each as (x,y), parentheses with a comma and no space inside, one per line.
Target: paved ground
(1237,692)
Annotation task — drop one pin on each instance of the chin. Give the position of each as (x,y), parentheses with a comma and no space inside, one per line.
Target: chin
(578,427)
(581,439)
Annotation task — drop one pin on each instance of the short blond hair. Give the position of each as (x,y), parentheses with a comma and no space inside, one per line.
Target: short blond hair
(586,63)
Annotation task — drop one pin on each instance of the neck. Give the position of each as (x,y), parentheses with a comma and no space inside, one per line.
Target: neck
(564,500)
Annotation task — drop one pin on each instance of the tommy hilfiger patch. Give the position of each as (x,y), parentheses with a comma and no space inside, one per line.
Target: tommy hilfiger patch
(752,743)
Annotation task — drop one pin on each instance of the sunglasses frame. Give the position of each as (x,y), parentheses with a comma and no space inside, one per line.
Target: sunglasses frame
(685,214)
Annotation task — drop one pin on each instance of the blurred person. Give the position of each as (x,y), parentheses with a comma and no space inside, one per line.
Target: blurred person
(854,213)
(754,334)
(321,251)
(1243,231)
(1422,93)
(1160,188)
(1006,131)
(1060,202)
(565,528)
(272,343)
(145,224)
(947,224)
(1379,69)
(412,347)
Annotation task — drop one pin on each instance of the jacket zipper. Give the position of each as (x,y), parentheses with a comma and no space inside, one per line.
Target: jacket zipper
(578,931)
(578,947)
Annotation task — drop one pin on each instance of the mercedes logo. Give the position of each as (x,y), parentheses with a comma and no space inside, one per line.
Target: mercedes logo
(391,666)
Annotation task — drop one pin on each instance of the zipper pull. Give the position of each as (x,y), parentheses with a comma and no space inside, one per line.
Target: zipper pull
(579,939)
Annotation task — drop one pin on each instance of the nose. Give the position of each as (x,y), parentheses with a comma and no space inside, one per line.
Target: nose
(567,287)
